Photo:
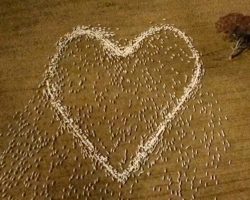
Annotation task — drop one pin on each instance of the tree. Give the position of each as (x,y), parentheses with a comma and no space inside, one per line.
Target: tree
(236,27)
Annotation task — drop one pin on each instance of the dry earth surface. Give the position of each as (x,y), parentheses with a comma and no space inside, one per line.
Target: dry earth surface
(29,30)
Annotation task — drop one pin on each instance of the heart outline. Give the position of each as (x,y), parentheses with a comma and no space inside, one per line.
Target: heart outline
(144,150)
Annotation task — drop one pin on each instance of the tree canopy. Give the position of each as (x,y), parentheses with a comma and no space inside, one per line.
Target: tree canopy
(236,27)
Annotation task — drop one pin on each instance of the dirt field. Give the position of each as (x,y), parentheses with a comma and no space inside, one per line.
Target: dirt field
(28,32)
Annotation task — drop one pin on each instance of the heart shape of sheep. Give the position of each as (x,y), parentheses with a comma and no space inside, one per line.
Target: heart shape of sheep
(53,92)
